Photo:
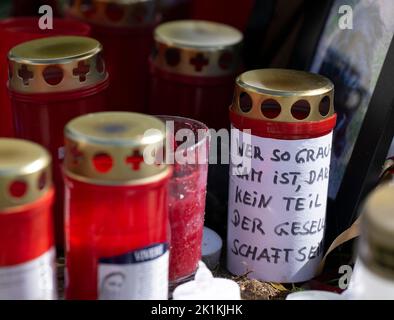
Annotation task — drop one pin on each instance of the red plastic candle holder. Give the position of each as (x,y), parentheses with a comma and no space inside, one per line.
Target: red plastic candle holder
(14,31)
(27,254)
(193,67)
(116,208)
(52,81)
(125,30)
(187,192)
(281,137)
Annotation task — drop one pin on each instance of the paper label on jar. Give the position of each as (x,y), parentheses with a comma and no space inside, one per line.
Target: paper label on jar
(137,275)
(277,206)
(33,280)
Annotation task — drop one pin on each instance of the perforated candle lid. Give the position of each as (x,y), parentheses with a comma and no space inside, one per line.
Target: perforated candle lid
(197,48)
(283,95)
(376,246)
(115,148)
(56,64)
(115,13)
(25,174)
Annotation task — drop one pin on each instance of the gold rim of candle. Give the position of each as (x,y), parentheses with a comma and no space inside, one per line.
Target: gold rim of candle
(112,13)
(197,48)
(120,140)
(26,163)
(56,64)
(283,88)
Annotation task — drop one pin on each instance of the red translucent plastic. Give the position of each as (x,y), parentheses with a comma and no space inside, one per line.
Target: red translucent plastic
(126,52)
(187,192)
(232,12)
(30,7)
(177,10)
(26,232)
(42,117)
(106,221)
(284,130)
(187,210)
(14,31)
(203,99)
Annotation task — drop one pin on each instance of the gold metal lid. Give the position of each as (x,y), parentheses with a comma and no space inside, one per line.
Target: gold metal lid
(56,64)
(111,148)
(197,48)
(283,95)
(25,173)
(376,247)
(115,13)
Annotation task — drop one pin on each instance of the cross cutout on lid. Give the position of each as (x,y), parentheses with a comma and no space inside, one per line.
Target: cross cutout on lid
(199,62)
(135,160)
(82,70)
(25,75)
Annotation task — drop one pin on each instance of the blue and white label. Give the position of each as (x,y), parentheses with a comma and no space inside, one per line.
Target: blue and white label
(137,275)
(33,280)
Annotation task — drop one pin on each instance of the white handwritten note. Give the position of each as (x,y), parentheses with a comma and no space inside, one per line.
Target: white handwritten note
(277,207)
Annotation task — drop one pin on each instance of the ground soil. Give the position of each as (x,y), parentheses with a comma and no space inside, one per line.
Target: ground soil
(252,289)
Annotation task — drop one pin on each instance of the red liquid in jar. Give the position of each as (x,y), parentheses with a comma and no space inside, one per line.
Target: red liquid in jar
(186,211)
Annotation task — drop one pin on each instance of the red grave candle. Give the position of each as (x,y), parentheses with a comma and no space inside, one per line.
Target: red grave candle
(27,255)
(187,196)
(125,30)
(14,31)
(52,81)
(290,117)
(116,209)
(193,67)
